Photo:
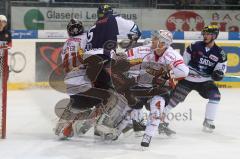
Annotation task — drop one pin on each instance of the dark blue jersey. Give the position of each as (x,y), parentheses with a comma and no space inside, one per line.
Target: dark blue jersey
(108,28)
(105,29)
(203,60)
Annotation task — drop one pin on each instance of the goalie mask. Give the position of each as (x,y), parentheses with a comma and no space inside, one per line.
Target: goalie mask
(164,36)
(75,28)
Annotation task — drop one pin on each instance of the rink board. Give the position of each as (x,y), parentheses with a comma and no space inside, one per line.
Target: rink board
(227,82)
(43,56)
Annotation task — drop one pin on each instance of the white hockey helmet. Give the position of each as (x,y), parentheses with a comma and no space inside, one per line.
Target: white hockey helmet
(163,36)
(3,18)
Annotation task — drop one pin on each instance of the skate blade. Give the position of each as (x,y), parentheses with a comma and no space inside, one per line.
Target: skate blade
(64,138)
(207,130)
(128,133)
(170,134)
(139,133)
(144,148)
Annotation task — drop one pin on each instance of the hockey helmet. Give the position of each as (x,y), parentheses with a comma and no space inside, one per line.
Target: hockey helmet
(211,29)
(104,10)
(75,27)
(164,36)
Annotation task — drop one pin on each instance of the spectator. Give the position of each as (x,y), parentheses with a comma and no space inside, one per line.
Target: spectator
(5,34)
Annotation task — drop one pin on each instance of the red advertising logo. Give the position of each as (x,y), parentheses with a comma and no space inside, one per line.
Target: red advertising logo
(227,22)
(52,59)
(185,21)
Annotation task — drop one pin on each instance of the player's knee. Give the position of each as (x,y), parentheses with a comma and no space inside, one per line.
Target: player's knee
(215,96)
(178,95)
(157,102)
(140,103)
(137,106)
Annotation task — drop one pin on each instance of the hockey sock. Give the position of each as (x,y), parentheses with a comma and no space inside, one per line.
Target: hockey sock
(211,109)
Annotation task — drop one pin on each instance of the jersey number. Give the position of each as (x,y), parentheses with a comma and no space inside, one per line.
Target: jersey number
(74,57)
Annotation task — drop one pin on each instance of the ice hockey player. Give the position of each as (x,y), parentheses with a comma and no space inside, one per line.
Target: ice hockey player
(104,35)
(163,58)
(207,63)
(135,119)
(79,74)
(108,27)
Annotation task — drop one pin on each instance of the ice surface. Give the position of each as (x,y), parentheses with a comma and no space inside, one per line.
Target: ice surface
(31,119)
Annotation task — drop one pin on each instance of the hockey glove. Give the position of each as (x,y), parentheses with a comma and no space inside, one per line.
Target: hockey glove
(217,75)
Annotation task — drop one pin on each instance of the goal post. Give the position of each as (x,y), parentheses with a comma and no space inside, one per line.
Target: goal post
(4,70)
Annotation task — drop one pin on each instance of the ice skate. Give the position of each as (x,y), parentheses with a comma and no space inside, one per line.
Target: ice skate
(138,128)
(208,125)
(145,141)
(106,133)
(163,129)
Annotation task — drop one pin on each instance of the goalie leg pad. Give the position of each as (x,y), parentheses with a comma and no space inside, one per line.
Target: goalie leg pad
(115,112)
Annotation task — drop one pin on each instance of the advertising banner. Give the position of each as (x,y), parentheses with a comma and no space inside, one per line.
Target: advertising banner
(233,52)
(44,18)
(24,34)
(22,59)
(234,35)
(47,59)
(40,57)
(52,34)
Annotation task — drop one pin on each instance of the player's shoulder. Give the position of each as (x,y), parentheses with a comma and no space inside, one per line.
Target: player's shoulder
(122,20)
(222,55)
(139,52)
(171,54)
(197,44)
(145,49)
(217,48)
(77,38)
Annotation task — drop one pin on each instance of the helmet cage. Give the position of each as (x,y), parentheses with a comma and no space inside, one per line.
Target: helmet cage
(75,27)
(164,36)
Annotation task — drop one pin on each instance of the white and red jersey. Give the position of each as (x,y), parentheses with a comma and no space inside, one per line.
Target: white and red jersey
(135,56)
(170,60)
(72,61)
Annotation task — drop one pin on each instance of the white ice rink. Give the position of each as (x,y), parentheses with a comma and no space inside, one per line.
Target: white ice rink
(30,122)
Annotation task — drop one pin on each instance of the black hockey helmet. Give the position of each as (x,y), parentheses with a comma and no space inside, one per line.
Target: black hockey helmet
(211,29)
(104,10)
(75,27)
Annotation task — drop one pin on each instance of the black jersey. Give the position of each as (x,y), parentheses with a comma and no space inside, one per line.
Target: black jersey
(108,28)
(203,61)
(5,35)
